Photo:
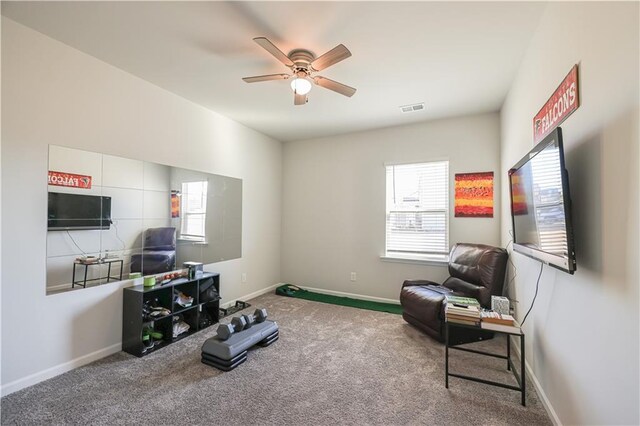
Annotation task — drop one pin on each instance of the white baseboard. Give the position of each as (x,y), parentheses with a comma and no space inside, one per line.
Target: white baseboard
(543,396)
(250,295)
(58,287)
(352,295)
(41,376)
(94,356)
(101,353)
(315,290)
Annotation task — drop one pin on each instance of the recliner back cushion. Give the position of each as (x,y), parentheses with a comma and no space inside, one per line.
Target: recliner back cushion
(477,269)
(492,267)
(463,262)
(158,239)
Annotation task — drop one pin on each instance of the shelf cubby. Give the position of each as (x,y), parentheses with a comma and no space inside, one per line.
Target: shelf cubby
(133,319)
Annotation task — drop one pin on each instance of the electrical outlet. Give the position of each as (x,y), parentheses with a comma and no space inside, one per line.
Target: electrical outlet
(244,277)
(353,276)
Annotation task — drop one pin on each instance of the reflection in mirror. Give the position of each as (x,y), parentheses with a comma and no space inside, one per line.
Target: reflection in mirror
(540,213)
(109,217)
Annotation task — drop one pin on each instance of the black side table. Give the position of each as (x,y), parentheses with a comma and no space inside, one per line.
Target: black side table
(83,282)
(509,331)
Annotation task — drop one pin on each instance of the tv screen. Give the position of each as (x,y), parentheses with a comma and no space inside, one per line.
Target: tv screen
(72,211)
(541,206)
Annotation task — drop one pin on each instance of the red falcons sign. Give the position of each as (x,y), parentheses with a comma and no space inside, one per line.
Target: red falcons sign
(69,179)
(560,105)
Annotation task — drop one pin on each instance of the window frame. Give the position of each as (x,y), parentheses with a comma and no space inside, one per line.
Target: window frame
(185,213)
(417,258)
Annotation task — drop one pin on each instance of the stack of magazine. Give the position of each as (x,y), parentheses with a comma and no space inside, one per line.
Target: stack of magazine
(496,318)
(463,310)
(499,322)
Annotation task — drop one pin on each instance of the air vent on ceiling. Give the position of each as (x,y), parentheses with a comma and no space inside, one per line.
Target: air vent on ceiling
(412,107)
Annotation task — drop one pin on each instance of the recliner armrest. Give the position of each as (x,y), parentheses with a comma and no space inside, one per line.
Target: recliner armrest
(465,288)
(409,283)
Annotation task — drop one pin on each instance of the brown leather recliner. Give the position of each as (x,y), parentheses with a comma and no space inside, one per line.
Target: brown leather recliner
(476,270)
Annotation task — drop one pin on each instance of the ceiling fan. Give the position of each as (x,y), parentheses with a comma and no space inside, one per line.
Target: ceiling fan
(303,64)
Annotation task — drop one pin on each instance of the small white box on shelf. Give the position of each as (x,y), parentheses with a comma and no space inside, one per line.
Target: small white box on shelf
(500,305)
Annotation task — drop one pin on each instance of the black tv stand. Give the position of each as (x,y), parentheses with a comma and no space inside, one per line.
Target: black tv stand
(134,320)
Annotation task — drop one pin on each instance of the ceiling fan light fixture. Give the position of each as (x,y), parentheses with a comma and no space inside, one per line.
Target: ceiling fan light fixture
(301,85)
(303,63)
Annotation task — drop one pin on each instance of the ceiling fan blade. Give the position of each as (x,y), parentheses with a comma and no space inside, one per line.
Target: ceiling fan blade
(299,99)
(343,89)
(271,48)
(267,77)
(335,55)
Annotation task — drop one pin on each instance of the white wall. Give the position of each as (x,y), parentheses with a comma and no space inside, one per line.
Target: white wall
(334,201)
(53,94)
(1,271)
(582,335)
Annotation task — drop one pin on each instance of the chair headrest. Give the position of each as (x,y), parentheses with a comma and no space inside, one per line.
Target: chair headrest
(160,238)
(477,263)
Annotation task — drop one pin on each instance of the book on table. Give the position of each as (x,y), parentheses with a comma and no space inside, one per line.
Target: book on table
(461,300)
(462,316)
(469,315)
(473,311)
(464,321)
(511,329)
(497,318)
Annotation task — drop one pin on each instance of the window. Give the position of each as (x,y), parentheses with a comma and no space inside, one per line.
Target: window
(194,210)
(418,211)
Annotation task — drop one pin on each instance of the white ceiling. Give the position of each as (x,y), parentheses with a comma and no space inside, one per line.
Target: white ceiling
(457,57)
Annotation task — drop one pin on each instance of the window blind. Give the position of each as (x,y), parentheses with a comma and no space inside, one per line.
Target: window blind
(418,209)
(194,209)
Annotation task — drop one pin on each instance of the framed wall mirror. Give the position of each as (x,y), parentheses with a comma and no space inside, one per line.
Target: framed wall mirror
(109,217)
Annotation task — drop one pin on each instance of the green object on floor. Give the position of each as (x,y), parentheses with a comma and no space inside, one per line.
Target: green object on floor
(300,293)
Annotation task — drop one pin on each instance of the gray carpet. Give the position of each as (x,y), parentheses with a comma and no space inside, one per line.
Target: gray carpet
(331,365)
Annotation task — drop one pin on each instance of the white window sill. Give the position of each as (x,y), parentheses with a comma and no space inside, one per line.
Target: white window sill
(195,241)
(417,260)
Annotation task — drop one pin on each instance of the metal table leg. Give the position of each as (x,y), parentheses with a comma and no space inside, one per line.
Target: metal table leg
(73,276)
(508,352)
(86,269)
(519,376)
(446,355)
(523,374)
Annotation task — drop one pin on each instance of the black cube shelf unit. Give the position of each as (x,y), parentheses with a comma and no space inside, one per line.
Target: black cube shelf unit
(134,321)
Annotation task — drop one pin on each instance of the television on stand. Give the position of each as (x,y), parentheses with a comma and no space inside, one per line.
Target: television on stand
(68,212)
(541,205)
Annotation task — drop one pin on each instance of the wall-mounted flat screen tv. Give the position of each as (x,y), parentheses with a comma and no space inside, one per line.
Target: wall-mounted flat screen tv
(76,212)
(541,206)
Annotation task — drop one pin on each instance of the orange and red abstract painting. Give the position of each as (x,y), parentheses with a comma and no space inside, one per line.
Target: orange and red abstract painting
(175,206)
(474,194)
(518,196)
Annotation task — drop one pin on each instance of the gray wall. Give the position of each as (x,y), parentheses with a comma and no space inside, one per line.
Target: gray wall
(53,94)
(582,335)
(334,201)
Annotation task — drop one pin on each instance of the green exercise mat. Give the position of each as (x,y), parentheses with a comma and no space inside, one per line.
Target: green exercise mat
(290,290)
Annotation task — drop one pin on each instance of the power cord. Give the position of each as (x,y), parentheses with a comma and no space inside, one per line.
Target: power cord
(76,244)
(513,266)
(115,226)
(534,296)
